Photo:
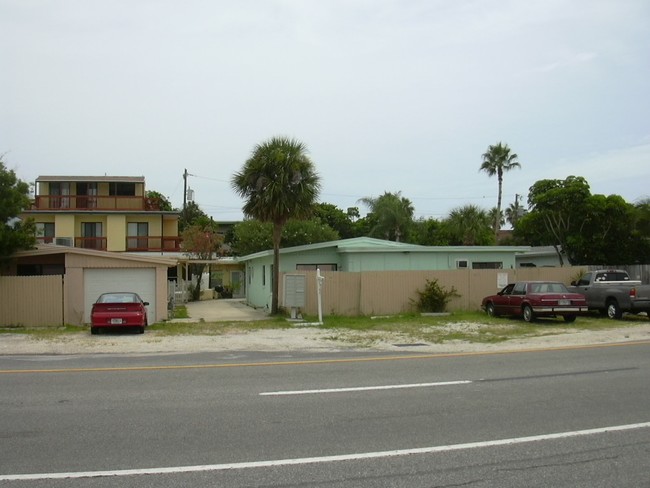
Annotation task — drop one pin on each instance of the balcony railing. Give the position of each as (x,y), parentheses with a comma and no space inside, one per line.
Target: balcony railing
(95,202)
(135,243)
(97,243)
(153,243)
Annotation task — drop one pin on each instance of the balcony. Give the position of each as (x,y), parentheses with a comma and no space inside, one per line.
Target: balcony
(71,203)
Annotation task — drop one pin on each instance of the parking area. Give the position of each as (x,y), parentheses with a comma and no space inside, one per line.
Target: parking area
(222,310)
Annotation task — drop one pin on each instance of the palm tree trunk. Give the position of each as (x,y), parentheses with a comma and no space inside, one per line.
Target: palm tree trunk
(497,217)
(277,236)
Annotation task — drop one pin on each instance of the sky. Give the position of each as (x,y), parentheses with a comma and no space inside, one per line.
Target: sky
(387,95)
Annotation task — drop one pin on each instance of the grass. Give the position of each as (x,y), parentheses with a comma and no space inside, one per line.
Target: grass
(474,327)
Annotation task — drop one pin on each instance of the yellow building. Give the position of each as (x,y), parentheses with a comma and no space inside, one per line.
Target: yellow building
(109,213)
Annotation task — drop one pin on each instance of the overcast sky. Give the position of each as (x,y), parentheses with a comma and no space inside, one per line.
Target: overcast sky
(387,95)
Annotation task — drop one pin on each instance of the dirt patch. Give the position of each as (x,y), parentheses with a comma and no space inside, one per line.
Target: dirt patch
(306,339)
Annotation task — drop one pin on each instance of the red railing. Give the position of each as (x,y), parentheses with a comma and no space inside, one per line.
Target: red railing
(133,243)
(98,243)
(153,243)
(95,202)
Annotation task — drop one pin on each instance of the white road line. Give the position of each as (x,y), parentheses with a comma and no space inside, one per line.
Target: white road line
(324,459)
(363,388)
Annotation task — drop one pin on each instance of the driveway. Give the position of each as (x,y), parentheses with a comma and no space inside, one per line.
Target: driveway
(222,310)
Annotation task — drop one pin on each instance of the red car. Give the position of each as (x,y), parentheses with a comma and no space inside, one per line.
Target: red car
(532,299)
(119,310)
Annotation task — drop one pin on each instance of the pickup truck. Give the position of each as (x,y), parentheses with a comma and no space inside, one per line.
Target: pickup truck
(613,293)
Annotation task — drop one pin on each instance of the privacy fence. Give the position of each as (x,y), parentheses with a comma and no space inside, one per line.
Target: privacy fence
(39,300)
(391,292)
(31,300)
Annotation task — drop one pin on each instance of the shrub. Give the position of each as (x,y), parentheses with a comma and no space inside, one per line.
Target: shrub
(434,298)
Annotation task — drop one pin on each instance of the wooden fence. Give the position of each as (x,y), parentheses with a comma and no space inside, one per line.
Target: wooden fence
(31,300)
(391,292)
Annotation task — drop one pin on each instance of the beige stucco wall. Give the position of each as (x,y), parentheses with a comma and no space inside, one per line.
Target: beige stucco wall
(116,233)
(64,225)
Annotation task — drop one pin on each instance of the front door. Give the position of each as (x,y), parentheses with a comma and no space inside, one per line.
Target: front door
(238,284)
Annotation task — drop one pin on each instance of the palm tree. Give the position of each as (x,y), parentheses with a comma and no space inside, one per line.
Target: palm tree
(496,161)
(393,212)
(514,212)
(468,226)
(278,182)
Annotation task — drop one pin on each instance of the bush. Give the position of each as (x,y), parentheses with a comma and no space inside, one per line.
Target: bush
(434,298)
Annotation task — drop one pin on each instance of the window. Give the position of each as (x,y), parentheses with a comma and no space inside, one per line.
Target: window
(487,265)
(45,232)
(519,289)
(461,263)
(91,233)
(263,275)
(137,235)
(314,267)
(86,195)
(59,195)
(121,189)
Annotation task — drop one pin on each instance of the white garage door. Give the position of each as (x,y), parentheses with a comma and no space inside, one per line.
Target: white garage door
(139,280)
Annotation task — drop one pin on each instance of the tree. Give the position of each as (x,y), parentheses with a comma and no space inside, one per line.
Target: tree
(190,215)
(588,229)
(394,214)
(427,232)
(496,161)
(15,234)
(201,242)
(514,212)
(160,200)
(251,236)
(468,226)
(277,182)
(336,218)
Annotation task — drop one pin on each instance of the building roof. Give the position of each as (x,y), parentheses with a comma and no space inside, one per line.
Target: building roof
(48,249)
(92,179)
(370,245)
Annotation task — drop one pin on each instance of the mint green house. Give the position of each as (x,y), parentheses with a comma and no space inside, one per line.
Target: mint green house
(368,254)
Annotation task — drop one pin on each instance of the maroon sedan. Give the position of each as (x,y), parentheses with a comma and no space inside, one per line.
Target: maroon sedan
(532,299)
(118,310)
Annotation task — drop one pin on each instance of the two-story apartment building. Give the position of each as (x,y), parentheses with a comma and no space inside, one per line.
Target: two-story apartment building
(109,213)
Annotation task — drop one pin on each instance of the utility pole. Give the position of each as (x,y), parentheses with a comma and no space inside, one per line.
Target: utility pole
(184,190)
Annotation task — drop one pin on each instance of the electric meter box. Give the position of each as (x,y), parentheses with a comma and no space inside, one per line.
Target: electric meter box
(294,290)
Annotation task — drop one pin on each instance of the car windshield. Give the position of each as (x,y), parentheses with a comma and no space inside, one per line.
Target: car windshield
(118,298)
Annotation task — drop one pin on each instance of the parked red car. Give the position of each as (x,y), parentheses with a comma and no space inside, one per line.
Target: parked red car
(118,310)
(531,299)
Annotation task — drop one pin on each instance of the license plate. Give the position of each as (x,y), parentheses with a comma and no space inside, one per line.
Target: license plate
(564,302)
(116,321)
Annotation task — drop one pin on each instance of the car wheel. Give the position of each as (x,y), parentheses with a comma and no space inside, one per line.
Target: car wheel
(489,308)
(141,329)
(613,310)
(94,330)
(569,318)
(528,313)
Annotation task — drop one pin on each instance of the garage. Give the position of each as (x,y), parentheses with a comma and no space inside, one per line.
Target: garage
(104,280)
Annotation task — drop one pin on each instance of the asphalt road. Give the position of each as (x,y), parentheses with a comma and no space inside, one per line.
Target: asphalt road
(550,418)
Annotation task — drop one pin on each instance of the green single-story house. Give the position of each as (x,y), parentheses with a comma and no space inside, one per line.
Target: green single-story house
(367,254)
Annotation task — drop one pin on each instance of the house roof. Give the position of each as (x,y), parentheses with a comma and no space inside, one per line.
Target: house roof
(92,179)
(370,245)
(48,249)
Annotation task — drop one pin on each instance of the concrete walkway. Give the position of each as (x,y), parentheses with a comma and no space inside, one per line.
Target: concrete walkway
(221,309)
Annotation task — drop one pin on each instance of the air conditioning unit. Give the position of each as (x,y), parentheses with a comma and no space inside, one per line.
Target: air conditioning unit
(64,241)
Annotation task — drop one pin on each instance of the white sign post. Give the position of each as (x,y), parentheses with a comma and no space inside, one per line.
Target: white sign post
(319,287)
